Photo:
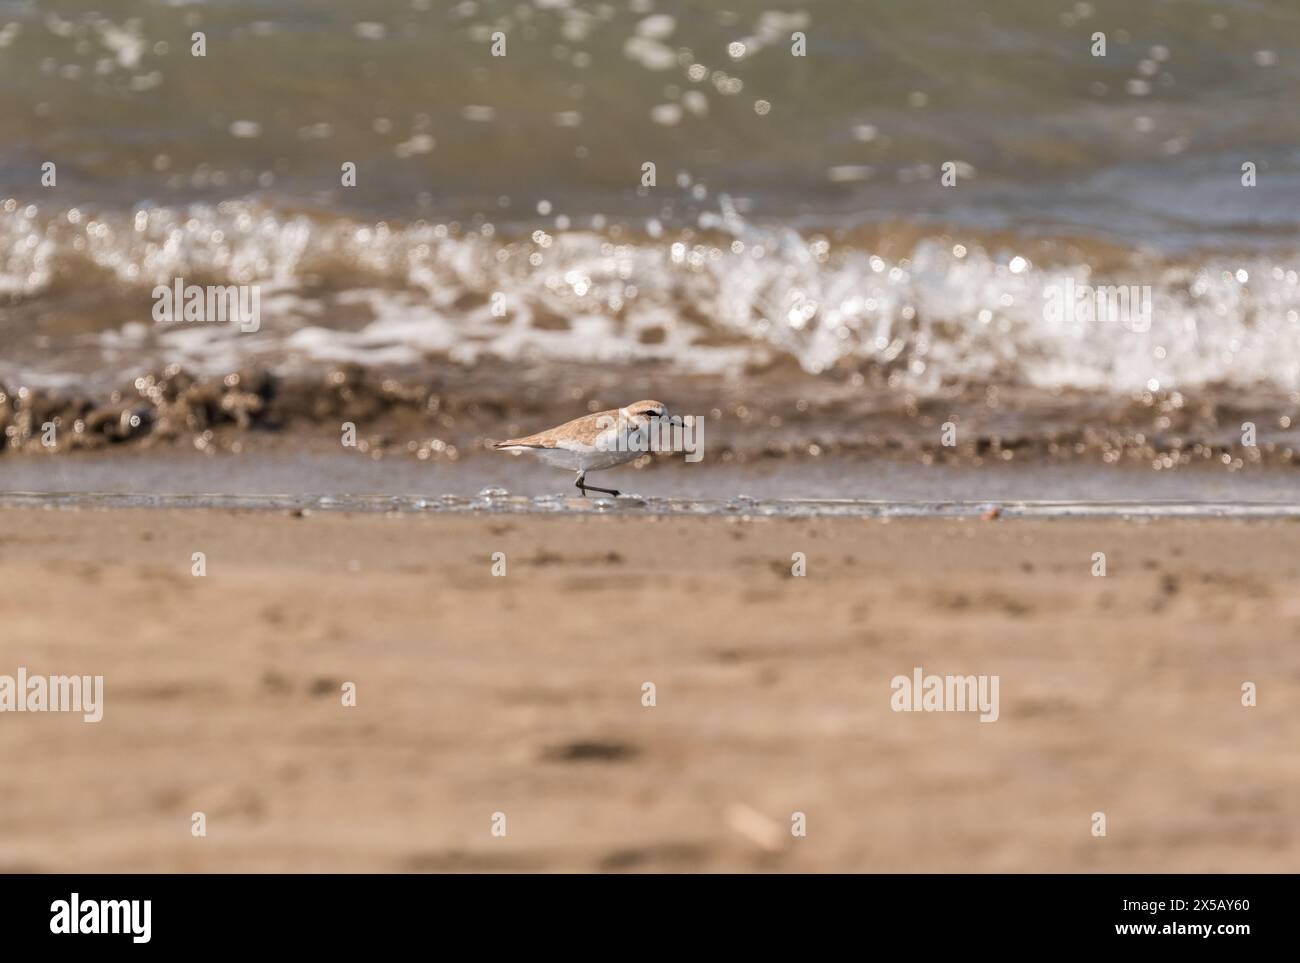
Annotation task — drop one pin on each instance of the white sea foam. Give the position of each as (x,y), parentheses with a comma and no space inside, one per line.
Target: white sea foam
(729,295)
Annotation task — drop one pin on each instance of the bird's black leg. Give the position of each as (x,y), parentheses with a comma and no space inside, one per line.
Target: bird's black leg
(582,486)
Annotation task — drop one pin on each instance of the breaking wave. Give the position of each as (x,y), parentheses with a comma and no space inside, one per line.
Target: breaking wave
(941,309)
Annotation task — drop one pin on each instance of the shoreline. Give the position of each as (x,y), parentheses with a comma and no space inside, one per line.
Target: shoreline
(351,475)
(500,502)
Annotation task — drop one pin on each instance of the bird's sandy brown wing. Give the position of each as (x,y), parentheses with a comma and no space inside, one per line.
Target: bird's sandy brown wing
(581,431)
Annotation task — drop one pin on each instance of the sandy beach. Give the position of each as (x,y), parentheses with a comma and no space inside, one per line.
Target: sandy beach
(522,694)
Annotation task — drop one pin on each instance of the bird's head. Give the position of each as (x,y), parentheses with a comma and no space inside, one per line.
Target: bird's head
(643,411)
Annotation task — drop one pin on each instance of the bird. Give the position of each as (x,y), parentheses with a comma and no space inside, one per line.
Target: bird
(593,442)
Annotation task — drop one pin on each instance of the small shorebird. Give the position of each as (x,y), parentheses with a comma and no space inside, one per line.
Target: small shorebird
(593,442)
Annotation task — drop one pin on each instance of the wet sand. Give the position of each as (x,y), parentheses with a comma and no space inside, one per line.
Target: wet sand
(522,694)
(445,413)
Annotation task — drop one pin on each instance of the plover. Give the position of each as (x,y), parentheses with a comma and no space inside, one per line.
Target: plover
(593,442)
